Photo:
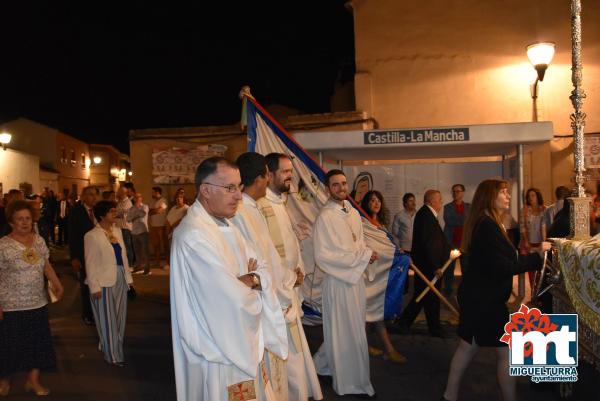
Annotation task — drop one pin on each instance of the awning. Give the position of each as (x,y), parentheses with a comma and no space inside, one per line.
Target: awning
(426,143)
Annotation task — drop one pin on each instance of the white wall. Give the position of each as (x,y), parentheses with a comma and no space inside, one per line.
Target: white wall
(17,167)
(34,138)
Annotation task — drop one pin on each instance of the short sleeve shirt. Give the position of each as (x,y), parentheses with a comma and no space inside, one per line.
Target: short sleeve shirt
(22,274)
(158,220)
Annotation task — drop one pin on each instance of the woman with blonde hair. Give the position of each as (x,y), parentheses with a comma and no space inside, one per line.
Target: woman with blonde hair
(489,263)
(25,337)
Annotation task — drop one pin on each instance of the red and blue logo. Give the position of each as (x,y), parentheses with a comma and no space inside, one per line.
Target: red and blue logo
(543,346)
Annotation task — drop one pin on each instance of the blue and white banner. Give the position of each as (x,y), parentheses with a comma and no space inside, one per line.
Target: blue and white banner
(384,279)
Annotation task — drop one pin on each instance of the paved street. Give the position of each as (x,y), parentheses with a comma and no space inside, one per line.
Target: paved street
(83,375)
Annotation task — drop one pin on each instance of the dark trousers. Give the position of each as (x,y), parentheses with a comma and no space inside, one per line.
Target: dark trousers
(51,232)
(159,243)
(128,246)
(430,302)
(142,253)
(63,233)
(86,305)
(44,230)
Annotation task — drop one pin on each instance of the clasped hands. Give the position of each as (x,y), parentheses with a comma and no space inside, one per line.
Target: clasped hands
(248,279)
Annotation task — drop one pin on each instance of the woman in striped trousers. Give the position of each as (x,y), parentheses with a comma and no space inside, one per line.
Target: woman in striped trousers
(109,279)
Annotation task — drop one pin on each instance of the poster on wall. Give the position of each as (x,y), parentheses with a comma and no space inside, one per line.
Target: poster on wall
(591,153)
(176,165)
(394,180)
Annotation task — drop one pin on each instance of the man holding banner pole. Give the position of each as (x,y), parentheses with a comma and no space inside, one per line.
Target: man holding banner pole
(302,376)
(341,253)
(430,250)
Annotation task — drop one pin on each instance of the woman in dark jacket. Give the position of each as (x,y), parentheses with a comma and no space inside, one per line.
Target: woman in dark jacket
(490,262)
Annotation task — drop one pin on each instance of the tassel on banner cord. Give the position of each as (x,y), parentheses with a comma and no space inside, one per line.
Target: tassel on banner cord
(244,94)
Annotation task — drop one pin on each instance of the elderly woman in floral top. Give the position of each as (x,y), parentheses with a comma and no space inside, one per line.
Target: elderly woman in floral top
(25,340)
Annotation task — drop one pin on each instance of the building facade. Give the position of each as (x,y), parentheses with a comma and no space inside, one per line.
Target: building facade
(60,155)
(108,167)
(146,144)
(443,63)
(19,170)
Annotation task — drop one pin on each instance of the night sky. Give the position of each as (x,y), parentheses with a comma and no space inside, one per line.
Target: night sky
(96,71)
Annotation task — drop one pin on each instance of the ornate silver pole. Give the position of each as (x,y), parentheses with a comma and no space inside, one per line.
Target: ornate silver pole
(580,211)
(520,191)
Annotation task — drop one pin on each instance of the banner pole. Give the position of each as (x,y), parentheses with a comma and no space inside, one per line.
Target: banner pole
(452,258)
(435,290)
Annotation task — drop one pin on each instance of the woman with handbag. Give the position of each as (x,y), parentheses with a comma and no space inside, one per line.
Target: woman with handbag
(109,280)
(25,339)
(489,263)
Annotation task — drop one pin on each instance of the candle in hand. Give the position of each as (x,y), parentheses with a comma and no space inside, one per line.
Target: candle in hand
(455,253)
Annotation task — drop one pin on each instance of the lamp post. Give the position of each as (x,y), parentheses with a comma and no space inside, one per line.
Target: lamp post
(540,56)
(580,204)
(5,138)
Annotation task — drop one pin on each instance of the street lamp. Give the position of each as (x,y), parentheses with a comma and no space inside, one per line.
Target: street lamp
(130,173)
(97,160)
(5,138)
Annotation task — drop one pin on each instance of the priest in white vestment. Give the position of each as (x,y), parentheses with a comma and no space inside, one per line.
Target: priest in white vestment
(341,253)
(302,376)
(224,311)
